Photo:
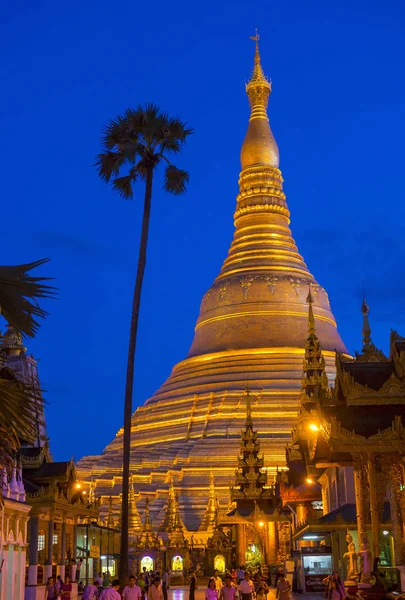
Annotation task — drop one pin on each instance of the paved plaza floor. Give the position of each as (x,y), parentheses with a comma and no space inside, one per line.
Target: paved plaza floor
(181,593)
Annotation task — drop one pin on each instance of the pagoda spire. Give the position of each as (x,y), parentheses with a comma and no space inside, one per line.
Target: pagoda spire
(110,516)
(369,352)
(249,479)
(135,522)
(314,374)
(366,325)
(210,520)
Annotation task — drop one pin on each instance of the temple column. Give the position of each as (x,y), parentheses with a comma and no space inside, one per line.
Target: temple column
(361,499)
(360,489)
(48,562)
(375,518)
(272,541)
(240,544)
(33,551)
(74,553)
(61,567)
(396,481)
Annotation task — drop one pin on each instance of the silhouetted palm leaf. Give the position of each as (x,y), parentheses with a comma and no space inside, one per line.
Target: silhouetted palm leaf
(175,180)
(18,409)
(19,293)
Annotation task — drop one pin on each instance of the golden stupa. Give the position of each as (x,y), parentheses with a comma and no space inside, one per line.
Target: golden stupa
(252,327)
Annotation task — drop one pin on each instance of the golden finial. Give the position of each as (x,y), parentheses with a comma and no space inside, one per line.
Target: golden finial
(256,38)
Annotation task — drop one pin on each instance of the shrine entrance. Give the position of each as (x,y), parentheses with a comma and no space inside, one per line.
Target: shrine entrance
(253,556)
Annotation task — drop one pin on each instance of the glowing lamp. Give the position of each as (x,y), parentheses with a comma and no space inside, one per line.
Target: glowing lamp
(385,532)
(261,524)
(78,486)
(84,492)
(309,480)
(313,427)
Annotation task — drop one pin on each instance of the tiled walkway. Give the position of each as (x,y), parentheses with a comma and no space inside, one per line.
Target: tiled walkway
(181,593)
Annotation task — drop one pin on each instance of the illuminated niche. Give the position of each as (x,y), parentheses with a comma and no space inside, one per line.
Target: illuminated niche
(147,562)
(177,563)
(219,563)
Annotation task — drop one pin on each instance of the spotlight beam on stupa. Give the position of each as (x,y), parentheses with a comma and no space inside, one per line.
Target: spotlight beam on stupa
(252,324)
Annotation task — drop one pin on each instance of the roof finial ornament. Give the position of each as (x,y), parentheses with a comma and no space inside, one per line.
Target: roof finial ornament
(256,39)
(366,324)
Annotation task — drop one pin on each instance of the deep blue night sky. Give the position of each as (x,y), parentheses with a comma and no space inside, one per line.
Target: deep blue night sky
(337,112)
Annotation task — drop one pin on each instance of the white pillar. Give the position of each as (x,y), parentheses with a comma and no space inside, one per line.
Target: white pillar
(4,575)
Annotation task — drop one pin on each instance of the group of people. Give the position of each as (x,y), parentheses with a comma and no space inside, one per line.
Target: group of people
(148,586)
(58,588)
(241,584)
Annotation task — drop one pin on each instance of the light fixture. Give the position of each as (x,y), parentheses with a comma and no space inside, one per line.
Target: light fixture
(261,524)
(84,492)
(78,486)
(309,480)
(385,532)
(313,427)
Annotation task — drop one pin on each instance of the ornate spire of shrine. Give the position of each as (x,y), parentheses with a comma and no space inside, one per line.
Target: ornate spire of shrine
(366,325)
(134,522)
(210,519)
(148,539)
(110,516)
(314,373)
(259,147)
(249,480)
(172,520)
(369,351)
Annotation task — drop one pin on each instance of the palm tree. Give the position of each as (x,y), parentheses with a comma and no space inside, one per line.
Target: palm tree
(138,142)
(19,295)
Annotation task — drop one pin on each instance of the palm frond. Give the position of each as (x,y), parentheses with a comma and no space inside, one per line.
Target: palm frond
(109,164)
(114,132)
(123,185)
(175,180)
(20,404)
(19,294)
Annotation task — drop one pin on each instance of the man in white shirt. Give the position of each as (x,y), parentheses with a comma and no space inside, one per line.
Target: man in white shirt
(132,591)
(111,593)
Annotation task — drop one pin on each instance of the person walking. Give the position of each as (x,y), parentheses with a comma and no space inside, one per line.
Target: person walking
(111,593)
(66,589)
(218,581)
(155,591)
(240,574)
(51,592)
(90,591)
(246,587)
(78,567)
(228,591)
(211,593)
(193,585)
(132,591)
(165,583)
(283,587)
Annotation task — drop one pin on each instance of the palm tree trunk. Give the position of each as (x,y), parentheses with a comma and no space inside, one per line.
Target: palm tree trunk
(130,378)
